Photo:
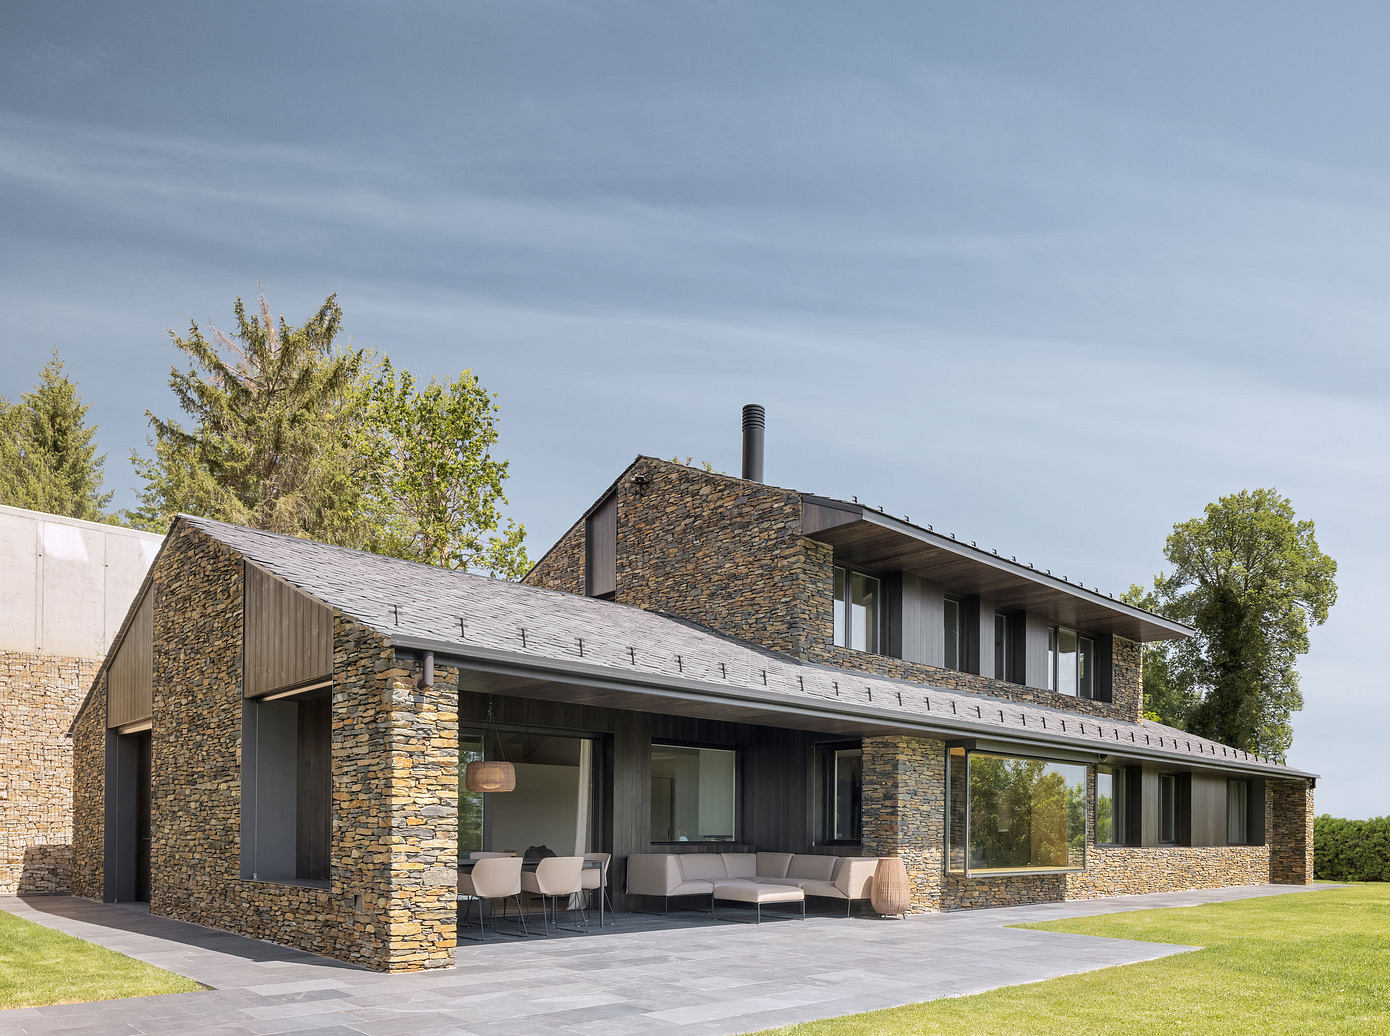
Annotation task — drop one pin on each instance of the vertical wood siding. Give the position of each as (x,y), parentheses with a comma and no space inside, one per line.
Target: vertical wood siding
(289,636)
(601,549)
(130,682)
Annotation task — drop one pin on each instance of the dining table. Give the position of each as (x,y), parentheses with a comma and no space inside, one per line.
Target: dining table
(466,867)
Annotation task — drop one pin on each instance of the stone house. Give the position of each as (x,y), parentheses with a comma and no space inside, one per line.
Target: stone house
(701,663)
(65,584)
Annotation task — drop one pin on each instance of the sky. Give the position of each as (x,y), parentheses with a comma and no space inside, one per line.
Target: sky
(1051,276)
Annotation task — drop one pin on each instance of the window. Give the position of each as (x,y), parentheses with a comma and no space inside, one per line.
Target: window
(1237,812)
(1001,646)
(840,768)
(953,632)
(470,802)
(1009,813)
(692,794)
(1071,663)
(856,610)
(287,787)
(1112,814)
(1167,808)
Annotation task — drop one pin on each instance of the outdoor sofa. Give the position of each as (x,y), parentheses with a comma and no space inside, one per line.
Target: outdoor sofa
(667,875)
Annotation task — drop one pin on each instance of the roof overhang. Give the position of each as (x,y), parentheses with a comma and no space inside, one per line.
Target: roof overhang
(870,539)
(490,671)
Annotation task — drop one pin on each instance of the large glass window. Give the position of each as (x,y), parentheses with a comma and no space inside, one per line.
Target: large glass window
(952,623)
(1020,814)
(693,794)
(1071,663)
(1112,821)
(857,598)
(470,802)
(1237,812)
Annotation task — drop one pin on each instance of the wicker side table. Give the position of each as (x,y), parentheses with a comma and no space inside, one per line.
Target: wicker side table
(890,895)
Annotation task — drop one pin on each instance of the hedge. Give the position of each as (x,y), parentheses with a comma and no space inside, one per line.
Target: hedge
(1351,850)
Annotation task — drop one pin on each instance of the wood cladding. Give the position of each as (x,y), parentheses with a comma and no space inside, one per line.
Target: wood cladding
(130,680)
(601,549)
(288,636)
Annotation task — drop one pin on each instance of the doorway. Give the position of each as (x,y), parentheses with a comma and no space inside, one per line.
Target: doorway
(129,828)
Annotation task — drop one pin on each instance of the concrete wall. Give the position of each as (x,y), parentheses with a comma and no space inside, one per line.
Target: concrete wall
(67,585)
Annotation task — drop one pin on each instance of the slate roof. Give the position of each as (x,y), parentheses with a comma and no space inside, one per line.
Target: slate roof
(458,613)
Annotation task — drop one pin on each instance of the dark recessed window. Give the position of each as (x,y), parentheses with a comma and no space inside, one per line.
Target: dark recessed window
(1167,808)
(1001,646)
(1237,812)
(841,771)
(1112,821)
(857,610)
(951,613)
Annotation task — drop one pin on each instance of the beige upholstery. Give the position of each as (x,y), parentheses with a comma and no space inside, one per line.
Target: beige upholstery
(744,891)
(697,874)
(495,877)
(773,865)
(741,865)
(555,876)
(819,868)
(590,877)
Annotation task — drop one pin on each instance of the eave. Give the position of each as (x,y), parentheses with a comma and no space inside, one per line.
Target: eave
(876,541)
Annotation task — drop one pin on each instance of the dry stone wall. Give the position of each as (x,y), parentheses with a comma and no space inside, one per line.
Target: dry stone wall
(39,695)
(89,795)
(389,904)
(1289,813)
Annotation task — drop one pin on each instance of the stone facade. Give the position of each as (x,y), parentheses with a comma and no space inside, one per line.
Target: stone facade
(1289,807)
(389,904)
(904,803)
(729,554)
(38,696)
(89,794)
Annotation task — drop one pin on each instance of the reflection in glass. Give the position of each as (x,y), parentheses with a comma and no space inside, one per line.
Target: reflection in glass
(470,802)
(692,794)
(848,769)
(1066,661)
(840,631)
(863,613)
(1024,813)
(952,614)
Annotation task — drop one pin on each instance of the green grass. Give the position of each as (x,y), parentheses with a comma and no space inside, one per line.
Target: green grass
(40,966)
(1314,962)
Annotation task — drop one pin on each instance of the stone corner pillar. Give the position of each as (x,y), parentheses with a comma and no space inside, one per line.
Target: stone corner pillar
(904,809)
(1290,825)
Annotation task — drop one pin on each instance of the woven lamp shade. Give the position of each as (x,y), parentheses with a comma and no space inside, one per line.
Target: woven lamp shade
(890,893)
(489,775)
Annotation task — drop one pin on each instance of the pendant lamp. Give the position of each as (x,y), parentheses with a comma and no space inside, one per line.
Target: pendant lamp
(489,775)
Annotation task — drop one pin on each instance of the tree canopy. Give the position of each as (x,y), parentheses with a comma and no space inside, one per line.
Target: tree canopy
(286,430)
(1250,578)
(433,489)
(48,457)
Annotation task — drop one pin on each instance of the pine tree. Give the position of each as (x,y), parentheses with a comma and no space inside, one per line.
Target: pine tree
(269,436)
(48,456)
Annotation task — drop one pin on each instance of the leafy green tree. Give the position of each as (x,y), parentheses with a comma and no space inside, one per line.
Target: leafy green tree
(1250,578)
(433,490)
(48,459)
(270,429)
(1169,694)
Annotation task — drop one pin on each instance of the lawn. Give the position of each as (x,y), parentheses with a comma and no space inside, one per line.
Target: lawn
(40,966)
(1308,962)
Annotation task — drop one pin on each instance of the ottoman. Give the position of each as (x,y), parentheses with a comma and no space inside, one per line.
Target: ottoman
(744,890)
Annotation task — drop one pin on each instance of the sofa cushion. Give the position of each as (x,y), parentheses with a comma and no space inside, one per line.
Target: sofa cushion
(740,865)
(773,865)
(814,887)
(693,887)
(702,866)
(806,865)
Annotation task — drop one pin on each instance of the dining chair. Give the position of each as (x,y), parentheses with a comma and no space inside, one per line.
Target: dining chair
(596,879)
(492,878)
(554,877)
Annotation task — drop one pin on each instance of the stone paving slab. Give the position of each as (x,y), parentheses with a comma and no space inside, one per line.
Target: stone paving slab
(686,973)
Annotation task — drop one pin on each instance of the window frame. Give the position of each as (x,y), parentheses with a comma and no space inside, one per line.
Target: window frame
(1232,784)
(844,575)
(1084,684)
(1120,820)
(735,791)
(950,603)
(965,753)
(1001,646)
(827,779)
(1168,808)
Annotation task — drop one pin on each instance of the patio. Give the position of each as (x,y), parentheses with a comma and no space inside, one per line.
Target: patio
(685,972)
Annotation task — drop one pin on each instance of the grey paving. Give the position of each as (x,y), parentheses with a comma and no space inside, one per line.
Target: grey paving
(686,973)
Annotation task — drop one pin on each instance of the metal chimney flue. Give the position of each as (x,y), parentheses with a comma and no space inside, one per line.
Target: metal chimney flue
(754,423)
